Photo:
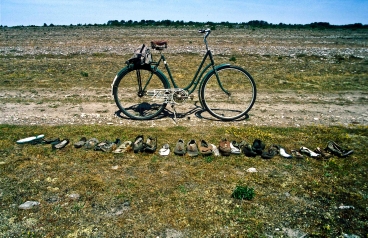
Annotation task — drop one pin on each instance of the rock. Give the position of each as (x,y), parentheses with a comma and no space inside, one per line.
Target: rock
(28,205)
(252,170)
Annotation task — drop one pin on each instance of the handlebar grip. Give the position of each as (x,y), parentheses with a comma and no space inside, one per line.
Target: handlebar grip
(204,31)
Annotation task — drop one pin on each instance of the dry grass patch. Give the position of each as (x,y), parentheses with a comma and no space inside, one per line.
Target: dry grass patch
(149,195)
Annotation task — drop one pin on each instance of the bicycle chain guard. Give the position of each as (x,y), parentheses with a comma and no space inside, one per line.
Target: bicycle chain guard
(171,95)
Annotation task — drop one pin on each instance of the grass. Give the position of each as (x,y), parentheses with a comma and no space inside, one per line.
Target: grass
(137,195)
(141,195)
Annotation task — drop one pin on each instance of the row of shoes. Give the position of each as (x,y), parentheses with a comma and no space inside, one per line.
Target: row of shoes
(225,147)
(258,148)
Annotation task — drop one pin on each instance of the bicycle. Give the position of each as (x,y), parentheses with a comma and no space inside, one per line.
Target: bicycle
(142,92)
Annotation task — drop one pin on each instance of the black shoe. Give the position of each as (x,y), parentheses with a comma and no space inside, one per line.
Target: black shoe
(337,150)
(272,151)
(247,149)
(151,145)
(258,146)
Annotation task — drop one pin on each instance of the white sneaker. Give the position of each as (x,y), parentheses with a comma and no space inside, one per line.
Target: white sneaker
(165,150)
(284,154)
(234,148)
(216,152)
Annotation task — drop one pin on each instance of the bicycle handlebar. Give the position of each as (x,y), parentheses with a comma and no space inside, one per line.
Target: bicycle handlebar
(206,33)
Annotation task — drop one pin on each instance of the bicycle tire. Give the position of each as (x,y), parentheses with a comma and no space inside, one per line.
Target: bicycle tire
(241,88)
(125,89)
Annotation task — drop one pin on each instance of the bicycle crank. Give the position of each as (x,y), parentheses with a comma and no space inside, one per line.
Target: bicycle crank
(170,95)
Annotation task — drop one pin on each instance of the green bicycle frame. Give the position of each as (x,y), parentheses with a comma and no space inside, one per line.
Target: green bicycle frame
(198,75)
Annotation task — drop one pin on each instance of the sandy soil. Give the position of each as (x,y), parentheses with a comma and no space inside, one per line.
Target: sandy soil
(271,109)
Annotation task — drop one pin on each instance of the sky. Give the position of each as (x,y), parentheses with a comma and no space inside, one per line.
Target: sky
(66,12)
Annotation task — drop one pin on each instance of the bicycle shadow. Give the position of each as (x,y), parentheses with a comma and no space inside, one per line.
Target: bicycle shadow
(198,112)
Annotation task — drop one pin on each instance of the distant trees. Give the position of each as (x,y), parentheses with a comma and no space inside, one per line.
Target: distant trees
(249,24)
(253,24)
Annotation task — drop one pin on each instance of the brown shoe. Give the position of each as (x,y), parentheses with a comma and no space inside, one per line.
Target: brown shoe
(224,147)
(204,148)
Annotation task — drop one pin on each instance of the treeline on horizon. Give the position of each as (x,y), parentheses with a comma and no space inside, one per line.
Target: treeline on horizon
(213,25)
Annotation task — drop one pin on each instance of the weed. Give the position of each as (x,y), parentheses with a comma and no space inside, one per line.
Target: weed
(243,192)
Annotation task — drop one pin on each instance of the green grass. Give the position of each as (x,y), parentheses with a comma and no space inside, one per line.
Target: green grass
(137,195)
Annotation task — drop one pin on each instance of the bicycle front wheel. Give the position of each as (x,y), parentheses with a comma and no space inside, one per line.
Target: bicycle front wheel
(130,88)
(229,96)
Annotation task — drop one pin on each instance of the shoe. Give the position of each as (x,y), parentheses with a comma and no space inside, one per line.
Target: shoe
(337,150)
(126,146)
(258,146)
(109,146)
(61,144)
(247,149)
(192,148)
(215,150)
(305,150)
(151,145)
(224,147)
(205,149)
(324,154)
(165,150)
(234,148)
(50,141)
(91,144)
(138,144)
(180,148)
(80,143)
(297,155)
(272,151)
(284,154)
(31,140)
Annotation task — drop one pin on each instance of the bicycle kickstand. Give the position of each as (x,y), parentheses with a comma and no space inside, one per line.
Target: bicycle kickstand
(173,107)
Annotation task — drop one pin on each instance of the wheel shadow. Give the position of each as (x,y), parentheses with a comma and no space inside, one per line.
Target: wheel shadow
(198,112)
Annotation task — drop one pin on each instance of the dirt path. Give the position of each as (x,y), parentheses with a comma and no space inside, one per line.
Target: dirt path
(271,109)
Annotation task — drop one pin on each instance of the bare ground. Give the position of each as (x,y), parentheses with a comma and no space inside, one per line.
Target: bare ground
(286,108)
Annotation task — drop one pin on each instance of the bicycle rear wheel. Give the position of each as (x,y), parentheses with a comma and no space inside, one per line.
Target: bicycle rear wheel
(130,88)
(231,95)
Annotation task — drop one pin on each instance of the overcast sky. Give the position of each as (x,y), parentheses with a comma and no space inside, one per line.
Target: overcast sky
(66,12)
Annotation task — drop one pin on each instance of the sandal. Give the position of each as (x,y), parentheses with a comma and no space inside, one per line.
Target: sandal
(205,148)
(297,155)
(108,146)
(192,148)
(324,154)
(138,144)
(124,147)
(180,148)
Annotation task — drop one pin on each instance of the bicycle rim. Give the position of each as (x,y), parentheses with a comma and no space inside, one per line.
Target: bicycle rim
(233,97)
(134,104)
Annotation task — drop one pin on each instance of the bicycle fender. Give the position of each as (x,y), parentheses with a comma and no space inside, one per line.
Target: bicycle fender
(113,85)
